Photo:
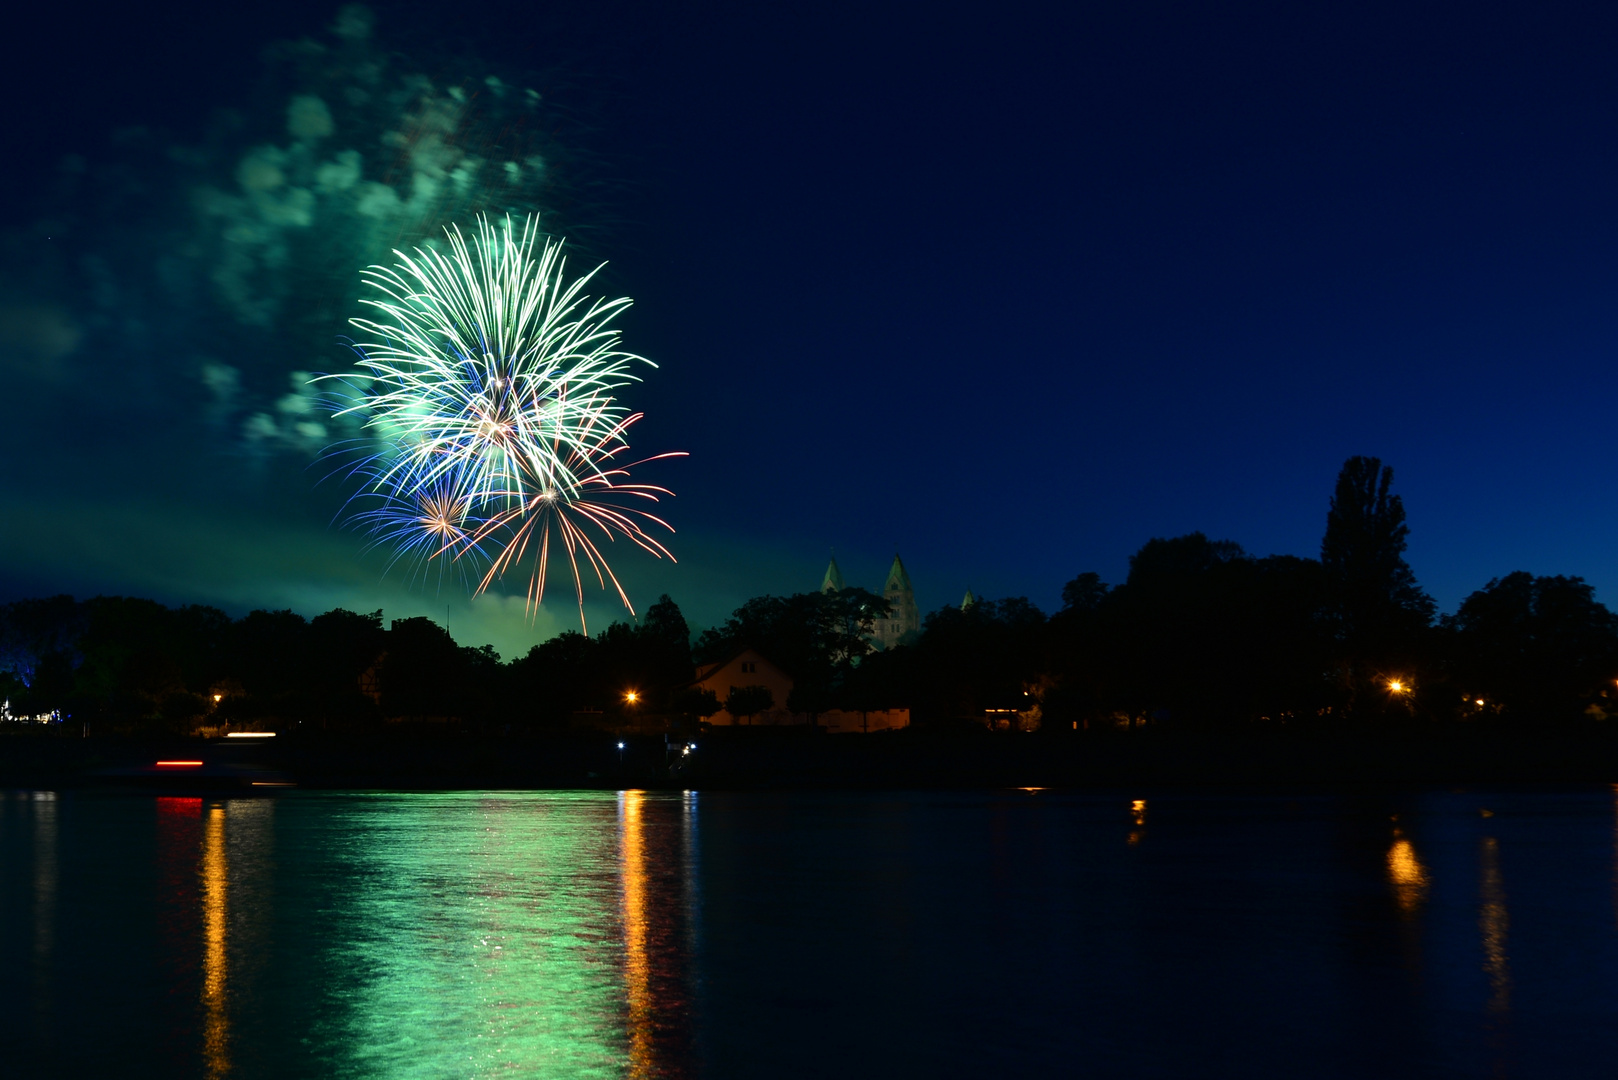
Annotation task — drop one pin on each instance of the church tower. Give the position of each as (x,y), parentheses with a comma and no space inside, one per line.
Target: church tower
(904,621)
(833,581)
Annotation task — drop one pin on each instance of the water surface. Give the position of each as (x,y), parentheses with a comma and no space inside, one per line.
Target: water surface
(598,934)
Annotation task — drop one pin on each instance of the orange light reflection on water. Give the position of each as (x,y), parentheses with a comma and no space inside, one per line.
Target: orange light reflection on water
(1407,875)
(637,959)
(214,873)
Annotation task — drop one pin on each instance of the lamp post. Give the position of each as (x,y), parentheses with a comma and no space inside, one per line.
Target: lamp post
(631,698)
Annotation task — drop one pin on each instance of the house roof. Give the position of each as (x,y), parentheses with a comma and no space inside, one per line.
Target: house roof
(706,671)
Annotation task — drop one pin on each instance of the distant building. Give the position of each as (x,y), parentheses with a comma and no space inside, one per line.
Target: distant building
(903,625)
(833,581)
(747,668)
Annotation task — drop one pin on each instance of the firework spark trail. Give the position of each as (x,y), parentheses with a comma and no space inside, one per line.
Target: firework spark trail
(490,388)
(420,527)
(571,517)
(486,357)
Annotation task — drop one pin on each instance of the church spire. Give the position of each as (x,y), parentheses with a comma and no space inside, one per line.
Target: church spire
(904,618)
(898,580)
(833,581)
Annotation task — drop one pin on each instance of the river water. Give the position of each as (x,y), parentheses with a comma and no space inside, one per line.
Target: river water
(968,934)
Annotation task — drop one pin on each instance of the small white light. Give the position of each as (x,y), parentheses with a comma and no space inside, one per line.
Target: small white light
(620,746)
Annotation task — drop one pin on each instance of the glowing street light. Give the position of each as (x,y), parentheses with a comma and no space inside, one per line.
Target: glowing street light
(632,696)
(1396,686)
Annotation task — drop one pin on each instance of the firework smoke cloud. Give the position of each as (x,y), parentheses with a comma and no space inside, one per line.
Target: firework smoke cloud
(201,279)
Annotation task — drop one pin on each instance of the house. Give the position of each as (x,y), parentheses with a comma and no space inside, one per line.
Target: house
(748,668)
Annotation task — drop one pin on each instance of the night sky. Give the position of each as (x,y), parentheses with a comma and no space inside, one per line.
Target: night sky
(1010,289)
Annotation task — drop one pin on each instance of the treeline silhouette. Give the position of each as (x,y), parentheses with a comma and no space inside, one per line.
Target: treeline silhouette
(1200,635)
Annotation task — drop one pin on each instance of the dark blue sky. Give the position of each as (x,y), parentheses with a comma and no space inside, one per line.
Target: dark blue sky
(1010,289)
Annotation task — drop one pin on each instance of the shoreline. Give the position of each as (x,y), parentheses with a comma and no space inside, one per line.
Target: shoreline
(808,759)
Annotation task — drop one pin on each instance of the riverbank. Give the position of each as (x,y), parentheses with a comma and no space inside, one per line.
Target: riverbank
(774,758)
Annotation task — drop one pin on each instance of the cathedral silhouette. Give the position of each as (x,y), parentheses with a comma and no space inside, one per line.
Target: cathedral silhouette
(904,625)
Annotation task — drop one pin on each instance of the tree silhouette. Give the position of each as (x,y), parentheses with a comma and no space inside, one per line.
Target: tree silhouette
(1199,634)
(423,673)
(1377,611)
(695,701)
(343,645)
(1084,593)
(982,658)
(1538,648)
(749,701)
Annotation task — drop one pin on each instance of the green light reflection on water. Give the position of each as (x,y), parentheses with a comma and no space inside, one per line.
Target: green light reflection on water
(483,936)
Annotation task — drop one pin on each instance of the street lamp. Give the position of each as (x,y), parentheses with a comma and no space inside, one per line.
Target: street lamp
(632,696)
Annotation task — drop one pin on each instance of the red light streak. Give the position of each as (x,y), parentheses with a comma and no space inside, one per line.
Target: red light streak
(178,764)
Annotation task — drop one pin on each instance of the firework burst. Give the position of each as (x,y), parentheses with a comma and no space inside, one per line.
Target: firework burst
(489,389)
(426,530)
